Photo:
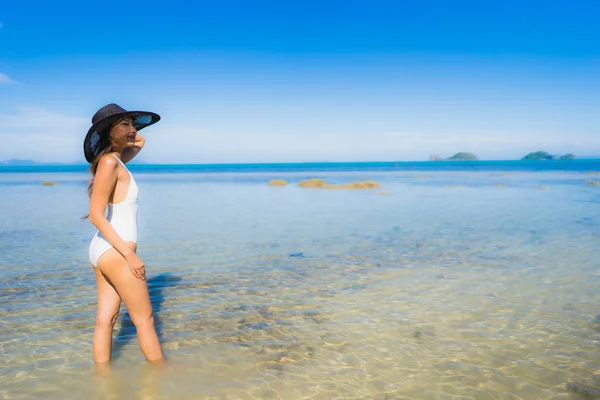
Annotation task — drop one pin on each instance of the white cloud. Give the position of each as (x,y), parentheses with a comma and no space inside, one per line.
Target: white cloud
(48,136)
(5,79)
(28,119)
(184,143)
(405,134)
(42,135)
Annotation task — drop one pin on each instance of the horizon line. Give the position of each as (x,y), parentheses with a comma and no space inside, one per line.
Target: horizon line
(3,163)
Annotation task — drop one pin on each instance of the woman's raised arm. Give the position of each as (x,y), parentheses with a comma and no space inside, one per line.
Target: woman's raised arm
(130,152)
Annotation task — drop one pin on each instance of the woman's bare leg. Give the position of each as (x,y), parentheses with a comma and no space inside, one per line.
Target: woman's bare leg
(134,293)
(109,303)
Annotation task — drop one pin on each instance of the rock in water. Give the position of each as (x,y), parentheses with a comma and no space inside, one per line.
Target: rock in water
(583,390)
(596,323)
(321,184)
(313,183)
(277,182)
(361,185)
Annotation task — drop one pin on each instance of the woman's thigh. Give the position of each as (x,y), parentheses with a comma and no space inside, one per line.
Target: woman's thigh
(132,290)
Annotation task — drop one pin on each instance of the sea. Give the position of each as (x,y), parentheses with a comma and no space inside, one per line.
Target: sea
(452,280)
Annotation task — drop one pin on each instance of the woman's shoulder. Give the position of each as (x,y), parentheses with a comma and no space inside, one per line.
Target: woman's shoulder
(108,161)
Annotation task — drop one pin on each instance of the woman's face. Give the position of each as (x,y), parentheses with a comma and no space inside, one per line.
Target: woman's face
(122,134)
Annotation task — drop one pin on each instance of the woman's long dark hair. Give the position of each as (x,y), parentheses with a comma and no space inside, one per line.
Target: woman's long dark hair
(105,145)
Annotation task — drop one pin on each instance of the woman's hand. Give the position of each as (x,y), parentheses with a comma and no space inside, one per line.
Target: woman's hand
(133,149)
(136,266)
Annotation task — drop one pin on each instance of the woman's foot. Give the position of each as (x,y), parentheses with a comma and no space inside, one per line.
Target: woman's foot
(159,363)
(103,369)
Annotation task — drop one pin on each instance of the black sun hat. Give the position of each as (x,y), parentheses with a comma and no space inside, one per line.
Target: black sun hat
(97,136)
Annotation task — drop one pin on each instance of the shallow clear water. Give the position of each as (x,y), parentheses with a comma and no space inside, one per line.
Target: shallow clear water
(454,284)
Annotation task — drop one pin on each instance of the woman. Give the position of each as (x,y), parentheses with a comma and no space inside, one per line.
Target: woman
(110,143)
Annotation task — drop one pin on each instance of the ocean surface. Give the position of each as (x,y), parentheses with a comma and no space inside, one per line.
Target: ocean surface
(461,280)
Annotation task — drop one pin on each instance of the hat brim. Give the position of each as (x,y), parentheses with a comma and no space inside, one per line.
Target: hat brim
(141,120)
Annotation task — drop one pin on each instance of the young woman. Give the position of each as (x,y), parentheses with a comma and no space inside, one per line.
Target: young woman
(110,143)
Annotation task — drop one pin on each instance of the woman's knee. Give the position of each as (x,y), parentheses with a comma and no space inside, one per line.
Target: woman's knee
(142,319)
(106,320)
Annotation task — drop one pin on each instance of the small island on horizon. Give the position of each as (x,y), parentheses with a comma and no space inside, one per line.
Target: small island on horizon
(536,155)
(18,162)
(460,156)
(542,155)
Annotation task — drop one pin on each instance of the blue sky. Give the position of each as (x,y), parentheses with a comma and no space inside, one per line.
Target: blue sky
(304,81)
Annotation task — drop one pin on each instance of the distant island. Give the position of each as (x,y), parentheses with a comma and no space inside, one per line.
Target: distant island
(463,156)
(16,161)
(542,155)
(460,156)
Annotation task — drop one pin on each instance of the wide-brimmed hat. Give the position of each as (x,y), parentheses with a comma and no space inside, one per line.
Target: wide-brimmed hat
(97,136)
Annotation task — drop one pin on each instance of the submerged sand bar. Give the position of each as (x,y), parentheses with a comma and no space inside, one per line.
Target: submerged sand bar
(321,184)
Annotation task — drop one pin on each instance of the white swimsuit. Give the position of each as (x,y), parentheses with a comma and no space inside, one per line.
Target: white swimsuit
(123,218)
